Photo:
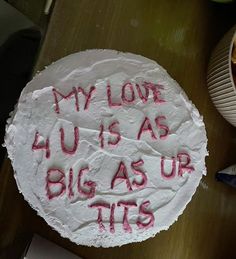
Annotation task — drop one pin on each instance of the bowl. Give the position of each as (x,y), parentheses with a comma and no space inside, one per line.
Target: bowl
(220,82)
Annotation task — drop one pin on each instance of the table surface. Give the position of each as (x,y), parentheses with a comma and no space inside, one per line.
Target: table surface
(179,35)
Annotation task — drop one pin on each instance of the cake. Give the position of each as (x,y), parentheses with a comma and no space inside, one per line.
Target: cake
(106,147)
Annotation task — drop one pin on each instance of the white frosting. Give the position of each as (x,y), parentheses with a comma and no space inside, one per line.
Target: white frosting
(72,217)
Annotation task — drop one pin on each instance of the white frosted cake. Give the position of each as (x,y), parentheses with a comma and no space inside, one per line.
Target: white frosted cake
(106,147)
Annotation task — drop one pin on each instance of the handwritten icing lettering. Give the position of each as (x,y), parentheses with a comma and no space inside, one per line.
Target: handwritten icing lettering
(184,163)
(144,217)
(128,97)
(115,137)
(115,132)
(74,93)
(112,218)
(126,205)
(173,169)
(55,183)
(71,184)
(161,126)
(87,96)
(76,141)
(101,137)
(143,97)
(90,193)
(71,192)
(138,171)
(146,126)
(143,211)
(121,174)
(100,206)
(109,98)
(156,89)
(71,94)
(40,146)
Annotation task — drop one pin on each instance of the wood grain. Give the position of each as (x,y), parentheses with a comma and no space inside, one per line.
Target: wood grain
(179,35)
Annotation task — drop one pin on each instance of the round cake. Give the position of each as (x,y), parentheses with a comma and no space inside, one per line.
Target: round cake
(106,147)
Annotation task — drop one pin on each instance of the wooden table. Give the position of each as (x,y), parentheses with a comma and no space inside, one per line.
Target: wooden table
(179,35)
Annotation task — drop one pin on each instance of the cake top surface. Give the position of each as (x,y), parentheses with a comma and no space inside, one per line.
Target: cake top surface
(106,147)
